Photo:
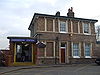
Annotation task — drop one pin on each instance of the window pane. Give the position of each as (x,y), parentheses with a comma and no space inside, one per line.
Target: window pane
(87,49)
(75,49)
(86,28)
(63,26)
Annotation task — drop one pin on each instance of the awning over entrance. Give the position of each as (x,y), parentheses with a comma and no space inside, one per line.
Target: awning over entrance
(23,49)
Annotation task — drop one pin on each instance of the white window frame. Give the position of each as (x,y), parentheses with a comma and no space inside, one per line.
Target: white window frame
(90,50)
(89,31)
(66,26)
(73,50)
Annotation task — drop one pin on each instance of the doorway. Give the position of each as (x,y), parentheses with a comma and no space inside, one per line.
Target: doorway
(23,52)
(63,52)
(62,55)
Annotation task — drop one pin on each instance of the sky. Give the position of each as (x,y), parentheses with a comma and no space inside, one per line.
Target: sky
(16,15)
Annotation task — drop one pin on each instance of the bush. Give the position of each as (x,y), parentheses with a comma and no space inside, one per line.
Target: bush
(2,59)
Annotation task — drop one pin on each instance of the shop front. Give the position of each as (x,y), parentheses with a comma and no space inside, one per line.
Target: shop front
(22,50)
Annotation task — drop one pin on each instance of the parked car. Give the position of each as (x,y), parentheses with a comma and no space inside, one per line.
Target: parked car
(97,61)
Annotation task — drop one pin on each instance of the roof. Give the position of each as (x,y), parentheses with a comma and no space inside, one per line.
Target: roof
(55,16)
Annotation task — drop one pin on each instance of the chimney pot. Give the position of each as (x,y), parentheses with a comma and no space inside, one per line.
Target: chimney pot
(57,13)
(70,12)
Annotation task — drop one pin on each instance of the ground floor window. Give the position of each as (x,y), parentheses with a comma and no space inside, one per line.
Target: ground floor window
(75,48)
(87,49)
(23,52)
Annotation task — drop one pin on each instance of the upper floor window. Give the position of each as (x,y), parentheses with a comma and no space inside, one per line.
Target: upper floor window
(63,27)
(86,28)
(76,50)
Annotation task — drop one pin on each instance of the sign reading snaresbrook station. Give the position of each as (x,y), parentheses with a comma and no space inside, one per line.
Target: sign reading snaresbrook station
(23,40)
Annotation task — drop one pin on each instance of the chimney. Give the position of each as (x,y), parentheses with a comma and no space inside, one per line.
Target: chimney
(70,12)
(57,13)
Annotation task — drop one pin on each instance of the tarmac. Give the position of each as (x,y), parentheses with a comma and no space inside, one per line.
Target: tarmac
(4,70)
(15,68)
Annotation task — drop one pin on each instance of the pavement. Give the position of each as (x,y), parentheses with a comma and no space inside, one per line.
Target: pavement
(4,70)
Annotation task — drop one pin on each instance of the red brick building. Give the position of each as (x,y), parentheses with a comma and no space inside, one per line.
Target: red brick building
(68,39)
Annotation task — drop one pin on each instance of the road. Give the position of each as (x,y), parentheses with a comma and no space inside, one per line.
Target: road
(77,69)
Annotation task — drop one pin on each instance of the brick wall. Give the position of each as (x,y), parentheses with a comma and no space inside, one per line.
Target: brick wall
(97,51)
(69,37)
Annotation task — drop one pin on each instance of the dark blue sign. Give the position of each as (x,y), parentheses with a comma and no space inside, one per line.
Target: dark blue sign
(41,45)
(23,40)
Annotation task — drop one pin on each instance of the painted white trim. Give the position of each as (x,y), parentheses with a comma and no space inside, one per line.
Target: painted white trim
(45,24)
(83,27)
(89,28)
(90,50)
(76,57)
(59,53)
(71,27)
(66,26)
(45,50)
(72,48)
(78,26)
(54,48)
(88,57)
(58,25)
(84,48)
(53,25)
(63,47)
(79,51)
(67,49)
(46,57)
(67,54)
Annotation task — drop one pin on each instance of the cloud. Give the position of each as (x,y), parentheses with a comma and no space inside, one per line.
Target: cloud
(16,15)
(86,8)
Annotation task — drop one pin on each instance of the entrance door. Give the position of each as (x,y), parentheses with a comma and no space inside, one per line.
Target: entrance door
(23,52)
(62,55)
(63,52)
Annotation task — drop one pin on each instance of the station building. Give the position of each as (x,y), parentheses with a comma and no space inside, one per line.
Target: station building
(67,39)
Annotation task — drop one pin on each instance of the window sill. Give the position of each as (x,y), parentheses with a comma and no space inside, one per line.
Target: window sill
(87,34)
(76,57)
(63,32)
(88,57)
